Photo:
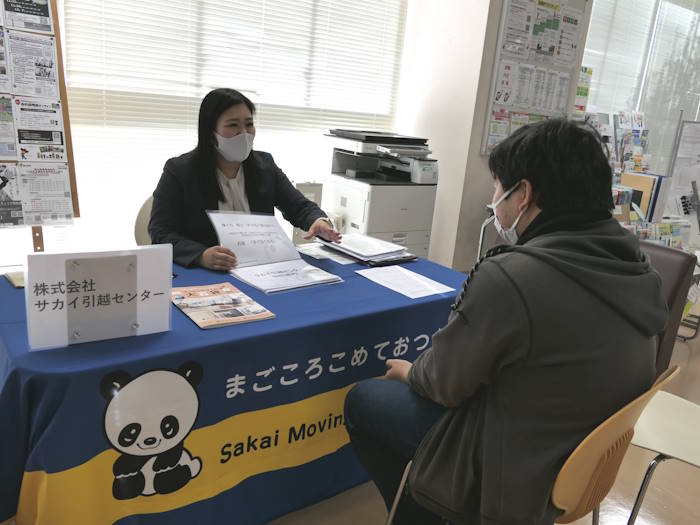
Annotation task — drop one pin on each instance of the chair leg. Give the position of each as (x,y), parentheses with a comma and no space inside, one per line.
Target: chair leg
(397,498)
(596,515)
(645,484)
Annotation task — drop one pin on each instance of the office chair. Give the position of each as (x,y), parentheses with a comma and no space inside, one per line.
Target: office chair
(675,267)
(141,226)
(590,471)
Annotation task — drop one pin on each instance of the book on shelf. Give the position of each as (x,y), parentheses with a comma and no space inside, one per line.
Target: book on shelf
(219,304)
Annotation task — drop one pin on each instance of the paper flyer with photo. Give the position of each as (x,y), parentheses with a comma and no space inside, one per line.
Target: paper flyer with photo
(45,193)
(523,85)
(518,27)
(4,71)
(33,64)
(567,45)
(10,200)
(220,304)
(499,128)
(504,83)
(545,30)
(32,15)
(8,148)
(40,133)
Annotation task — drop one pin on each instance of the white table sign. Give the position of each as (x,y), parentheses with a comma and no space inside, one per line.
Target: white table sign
(79,297)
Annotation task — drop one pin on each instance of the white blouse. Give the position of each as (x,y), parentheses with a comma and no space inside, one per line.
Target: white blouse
(234,192)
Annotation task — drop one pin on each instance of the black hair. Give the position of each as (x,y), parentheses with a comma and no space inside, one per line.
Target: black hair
(213,105)
(564,161)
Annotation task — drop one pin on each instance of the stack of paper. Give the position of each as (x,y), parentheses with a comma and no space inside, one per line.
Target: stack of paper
(267,259)
(370,250)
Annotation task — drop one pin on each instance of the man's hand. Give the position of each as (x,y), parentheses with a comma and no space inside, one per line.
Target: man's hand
(218,258)
(398,370)
(321,228)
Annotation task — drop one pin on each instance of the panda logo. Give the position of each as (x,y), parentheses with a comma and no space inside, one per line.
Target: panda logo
(147,419)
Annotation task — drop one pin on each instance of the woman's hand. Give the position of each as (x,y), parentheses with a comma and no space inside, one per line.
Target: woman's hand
(322,228)
(218,258)
(398,370)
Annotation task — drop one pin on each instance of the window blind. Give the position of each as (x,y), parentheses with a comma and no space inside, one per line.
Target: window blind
(308,64)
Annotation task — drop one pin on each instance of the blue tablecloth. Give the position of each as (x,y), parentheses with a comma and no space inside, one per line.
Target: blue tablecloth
(283,378)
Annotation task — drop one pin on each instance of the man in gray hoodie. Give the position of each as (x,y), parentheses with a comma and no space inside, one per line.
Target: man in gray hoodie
(551,334)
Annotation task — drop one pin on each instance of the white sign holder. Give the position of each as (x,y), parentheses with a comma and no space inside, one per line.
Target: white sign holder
(80,297)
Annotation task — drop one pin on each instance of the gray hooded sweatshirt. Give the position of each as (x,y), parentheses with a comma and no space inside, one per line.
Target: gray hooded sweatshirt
(545,341)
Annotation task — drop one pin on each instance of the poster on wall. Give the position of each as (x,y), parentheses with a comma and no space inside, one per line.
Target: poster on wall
(567,44)
(4,72)
(499,127)
(45,193)
(518,27)
(584,86)
(524,85)
(10,201)
(40,133)
(504,83)
(8,148)
(33,64)
(545,31)
(32,15)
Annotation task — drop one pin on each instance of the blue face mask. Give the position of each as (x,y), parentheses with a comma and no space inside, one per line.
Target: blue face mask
(508,234)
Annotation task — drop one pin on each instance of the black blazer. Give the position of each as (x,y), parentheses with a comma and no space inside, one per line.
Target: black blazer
(179,208)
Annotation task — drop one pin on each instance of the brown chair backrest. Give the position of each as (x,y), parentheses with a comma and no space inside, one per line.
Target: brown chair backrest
(589,473)
(676,270)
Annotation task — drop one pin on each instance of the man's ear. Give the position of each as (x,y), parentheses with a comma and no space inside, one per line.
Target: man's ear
(528,195)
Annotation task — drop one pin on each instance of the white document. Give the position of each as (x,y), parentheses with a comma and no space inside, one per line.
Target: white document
(8,148)
(524,85)
(33,64)
(364,247)
(518,27)
(40,133)
(32,15)
(539,94)
(567,47)
(319,251)
(254,238)
(10,201)
(285,275)
(562,93)
(267,259)
(507,73)
(4,69)
(406,282)
(45,193)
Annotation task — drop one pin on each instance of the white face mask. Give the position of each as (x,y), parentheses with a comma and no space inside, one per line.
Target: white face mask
(508,234)
(236,148)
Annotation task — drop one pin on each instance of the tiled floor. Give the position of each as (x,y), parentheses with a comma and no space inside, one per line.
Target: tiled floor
(672,498)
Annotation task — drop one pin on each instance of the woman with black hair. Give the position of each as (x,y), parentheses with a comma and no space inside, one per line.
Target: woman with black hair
(224,173)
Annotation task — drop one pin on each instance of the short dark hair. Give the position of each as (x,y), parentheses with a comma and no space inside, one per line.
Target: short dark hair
(564,161)
(213,105)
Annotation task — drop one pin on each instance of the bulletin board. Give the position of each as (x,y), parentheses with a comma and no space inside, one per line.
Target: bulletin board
(536,66)
(37,170)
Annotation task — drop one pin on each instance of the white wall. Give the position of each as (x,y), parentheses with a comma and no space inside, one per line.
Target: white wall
(442,96)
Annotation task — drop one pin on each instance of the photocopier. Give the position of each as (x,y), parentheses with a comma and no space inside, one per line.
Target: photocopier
(383,185)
